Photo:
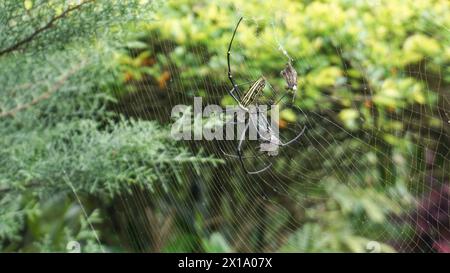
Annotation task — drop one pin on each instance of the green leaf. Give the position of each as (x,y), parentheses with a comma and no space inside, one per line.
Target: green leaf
(288,115)
(216,244)
(349,117)
(28,4)
(373,210)
(136,44)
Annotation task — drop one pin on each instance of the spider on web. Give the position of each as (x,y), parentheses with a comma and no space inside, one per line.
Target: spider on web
(269,140)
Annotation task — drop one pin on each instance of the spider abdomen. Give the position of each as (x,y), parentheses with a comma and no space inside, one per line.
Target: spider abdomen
(290,75)
(254,92)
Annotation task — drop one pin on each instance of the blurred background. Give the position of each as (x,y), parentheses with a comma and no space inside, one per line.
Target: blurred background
(88,164)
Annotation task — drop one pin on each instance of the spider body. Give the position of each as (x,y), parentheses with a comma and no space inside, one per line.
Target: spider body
(251,96)
(290,76)
(269,140)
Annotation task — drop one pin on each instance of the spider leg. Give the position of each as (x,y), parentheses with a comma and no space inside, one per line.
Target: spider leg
(231,92)
(230,76)
(231,155)
(282,97)
(279,142)
(263,130)
(239,152)
(294,139)
(267,124)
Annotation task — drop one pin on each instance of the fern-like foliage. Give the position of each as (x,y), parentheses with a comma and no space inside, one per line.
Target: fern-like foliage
(58,138)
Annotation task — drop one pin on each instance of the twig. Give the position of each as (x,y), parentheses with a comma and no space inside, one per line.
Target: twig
(45,95)
(42,29)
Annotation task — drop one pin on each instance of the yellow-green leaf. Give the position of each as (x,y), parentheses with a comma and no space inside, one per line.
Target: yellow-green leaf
(28,4)
(288,115)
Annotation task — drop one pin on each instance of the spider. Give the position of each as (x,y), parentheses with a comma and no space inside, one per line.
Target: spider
(269,141)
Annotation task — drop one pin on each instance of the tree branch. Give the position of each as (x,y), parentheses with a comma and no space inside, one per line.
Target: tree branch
(49,25)
(45,95)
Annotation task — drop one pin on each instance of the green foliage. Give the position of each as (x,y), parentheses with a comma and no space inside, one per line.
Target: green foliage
(372,76)
(362,46)
(57,224)
(61,146)
(332,227)
(355,210)
(131,153)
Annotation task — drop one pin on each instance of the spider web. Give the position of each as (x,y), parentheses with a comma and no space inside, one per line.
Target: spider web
(331,170)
